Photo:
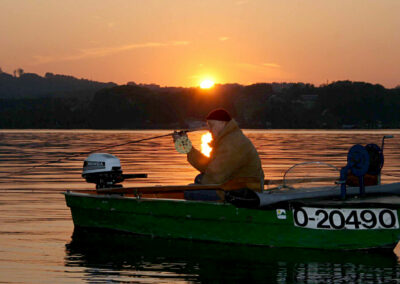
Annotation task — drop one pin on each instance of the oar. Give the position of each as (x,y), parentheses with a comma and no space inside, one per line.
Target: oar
(230,185)
(234,184)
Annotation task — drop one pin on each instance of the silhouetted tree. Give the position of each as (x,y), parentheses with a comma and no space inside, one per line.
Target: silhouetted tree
(20,72)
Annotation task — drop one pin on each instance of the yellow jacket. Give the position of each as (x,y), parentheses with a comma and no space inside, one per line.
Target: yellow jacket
(233,156)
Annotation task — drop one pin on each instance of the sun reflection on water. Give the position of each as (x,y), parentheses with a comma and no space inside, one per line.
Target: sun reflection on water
(205,147)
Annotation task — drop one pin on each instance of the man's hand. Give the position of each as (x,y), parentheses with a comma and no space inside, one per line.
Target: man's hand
(182,142)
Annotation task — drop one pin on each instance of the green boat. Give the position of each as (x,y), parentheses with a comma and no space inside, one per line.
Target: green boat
(362,217)
(371,222)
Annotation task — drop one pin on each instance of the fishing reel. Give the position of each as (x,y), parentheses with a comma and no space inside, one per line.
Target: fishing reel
(105,171)
(362,162)
(182,142)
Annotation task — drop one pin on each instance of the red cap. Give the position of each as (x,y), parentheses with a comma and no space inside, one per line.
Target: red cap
(219,114)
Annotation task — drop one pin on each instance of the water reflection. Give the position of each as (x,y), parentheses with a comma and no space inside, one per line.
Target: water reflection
(109,256)
(34,226)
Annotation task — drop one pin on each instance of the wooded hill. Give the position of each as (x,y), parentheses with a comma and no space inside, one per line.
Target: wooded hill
(56,101)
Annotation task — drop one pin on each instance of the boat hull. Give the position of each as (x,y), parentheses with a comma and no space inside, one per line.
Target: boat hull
(217,222)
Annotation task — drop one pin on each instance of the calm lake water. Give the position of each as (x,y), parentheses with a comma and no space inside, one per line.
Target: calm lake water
(38,243)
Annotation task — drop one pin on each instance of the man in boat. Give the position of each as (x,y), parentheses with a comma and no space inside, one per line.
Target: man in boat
(233,156)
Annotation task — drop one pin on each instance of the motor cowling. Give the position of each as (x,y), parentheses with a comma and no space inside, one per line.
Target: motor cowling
(102,169)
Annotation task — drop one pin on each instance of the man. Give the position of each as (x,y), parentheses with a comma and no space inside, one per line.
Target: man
(232,156)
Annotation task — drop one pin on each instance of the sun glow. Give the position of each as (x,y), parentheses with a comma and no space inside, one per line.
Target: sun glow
(207,84)
(205,148)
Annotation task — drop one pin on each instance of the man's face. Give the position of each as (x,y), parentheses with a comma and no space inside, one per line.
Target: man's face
(215,127)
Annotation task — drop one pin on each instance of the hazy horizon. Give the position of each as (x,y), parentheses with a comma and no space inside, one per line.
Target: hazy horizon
(180,43)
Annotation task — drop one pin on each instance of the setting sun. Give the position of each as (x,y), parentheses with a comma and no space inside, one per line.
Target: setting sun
(206,84)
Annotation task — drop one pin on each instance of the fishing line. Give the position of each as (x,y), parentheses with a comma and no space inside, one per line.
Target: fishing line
(100,149)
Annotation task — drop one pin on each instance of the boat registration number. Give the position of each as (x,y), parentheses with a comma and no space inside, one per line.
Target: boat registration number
(345,218)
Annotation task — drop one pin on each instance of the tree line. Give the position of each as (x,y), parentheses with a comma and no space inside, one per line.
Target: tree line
(341,104)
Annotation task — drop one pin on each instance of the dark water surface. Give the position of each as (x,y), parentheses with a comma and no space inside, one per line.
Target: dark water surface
(38,243)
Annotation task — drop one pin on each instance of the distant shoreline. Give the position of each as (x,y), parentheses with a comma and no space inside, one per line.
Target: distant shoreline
(29,101)
(172,129)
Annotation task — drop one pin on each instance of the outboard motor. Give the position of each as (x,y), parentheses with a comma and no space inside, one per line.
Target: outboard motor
(105,171)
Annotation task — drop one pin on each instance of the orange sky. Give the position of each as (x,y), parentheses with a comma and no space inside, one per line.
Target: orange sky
(179,42)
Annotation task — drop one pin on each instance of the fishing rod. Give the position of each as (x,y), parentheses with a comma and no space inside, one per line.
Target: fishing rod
(104,148)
